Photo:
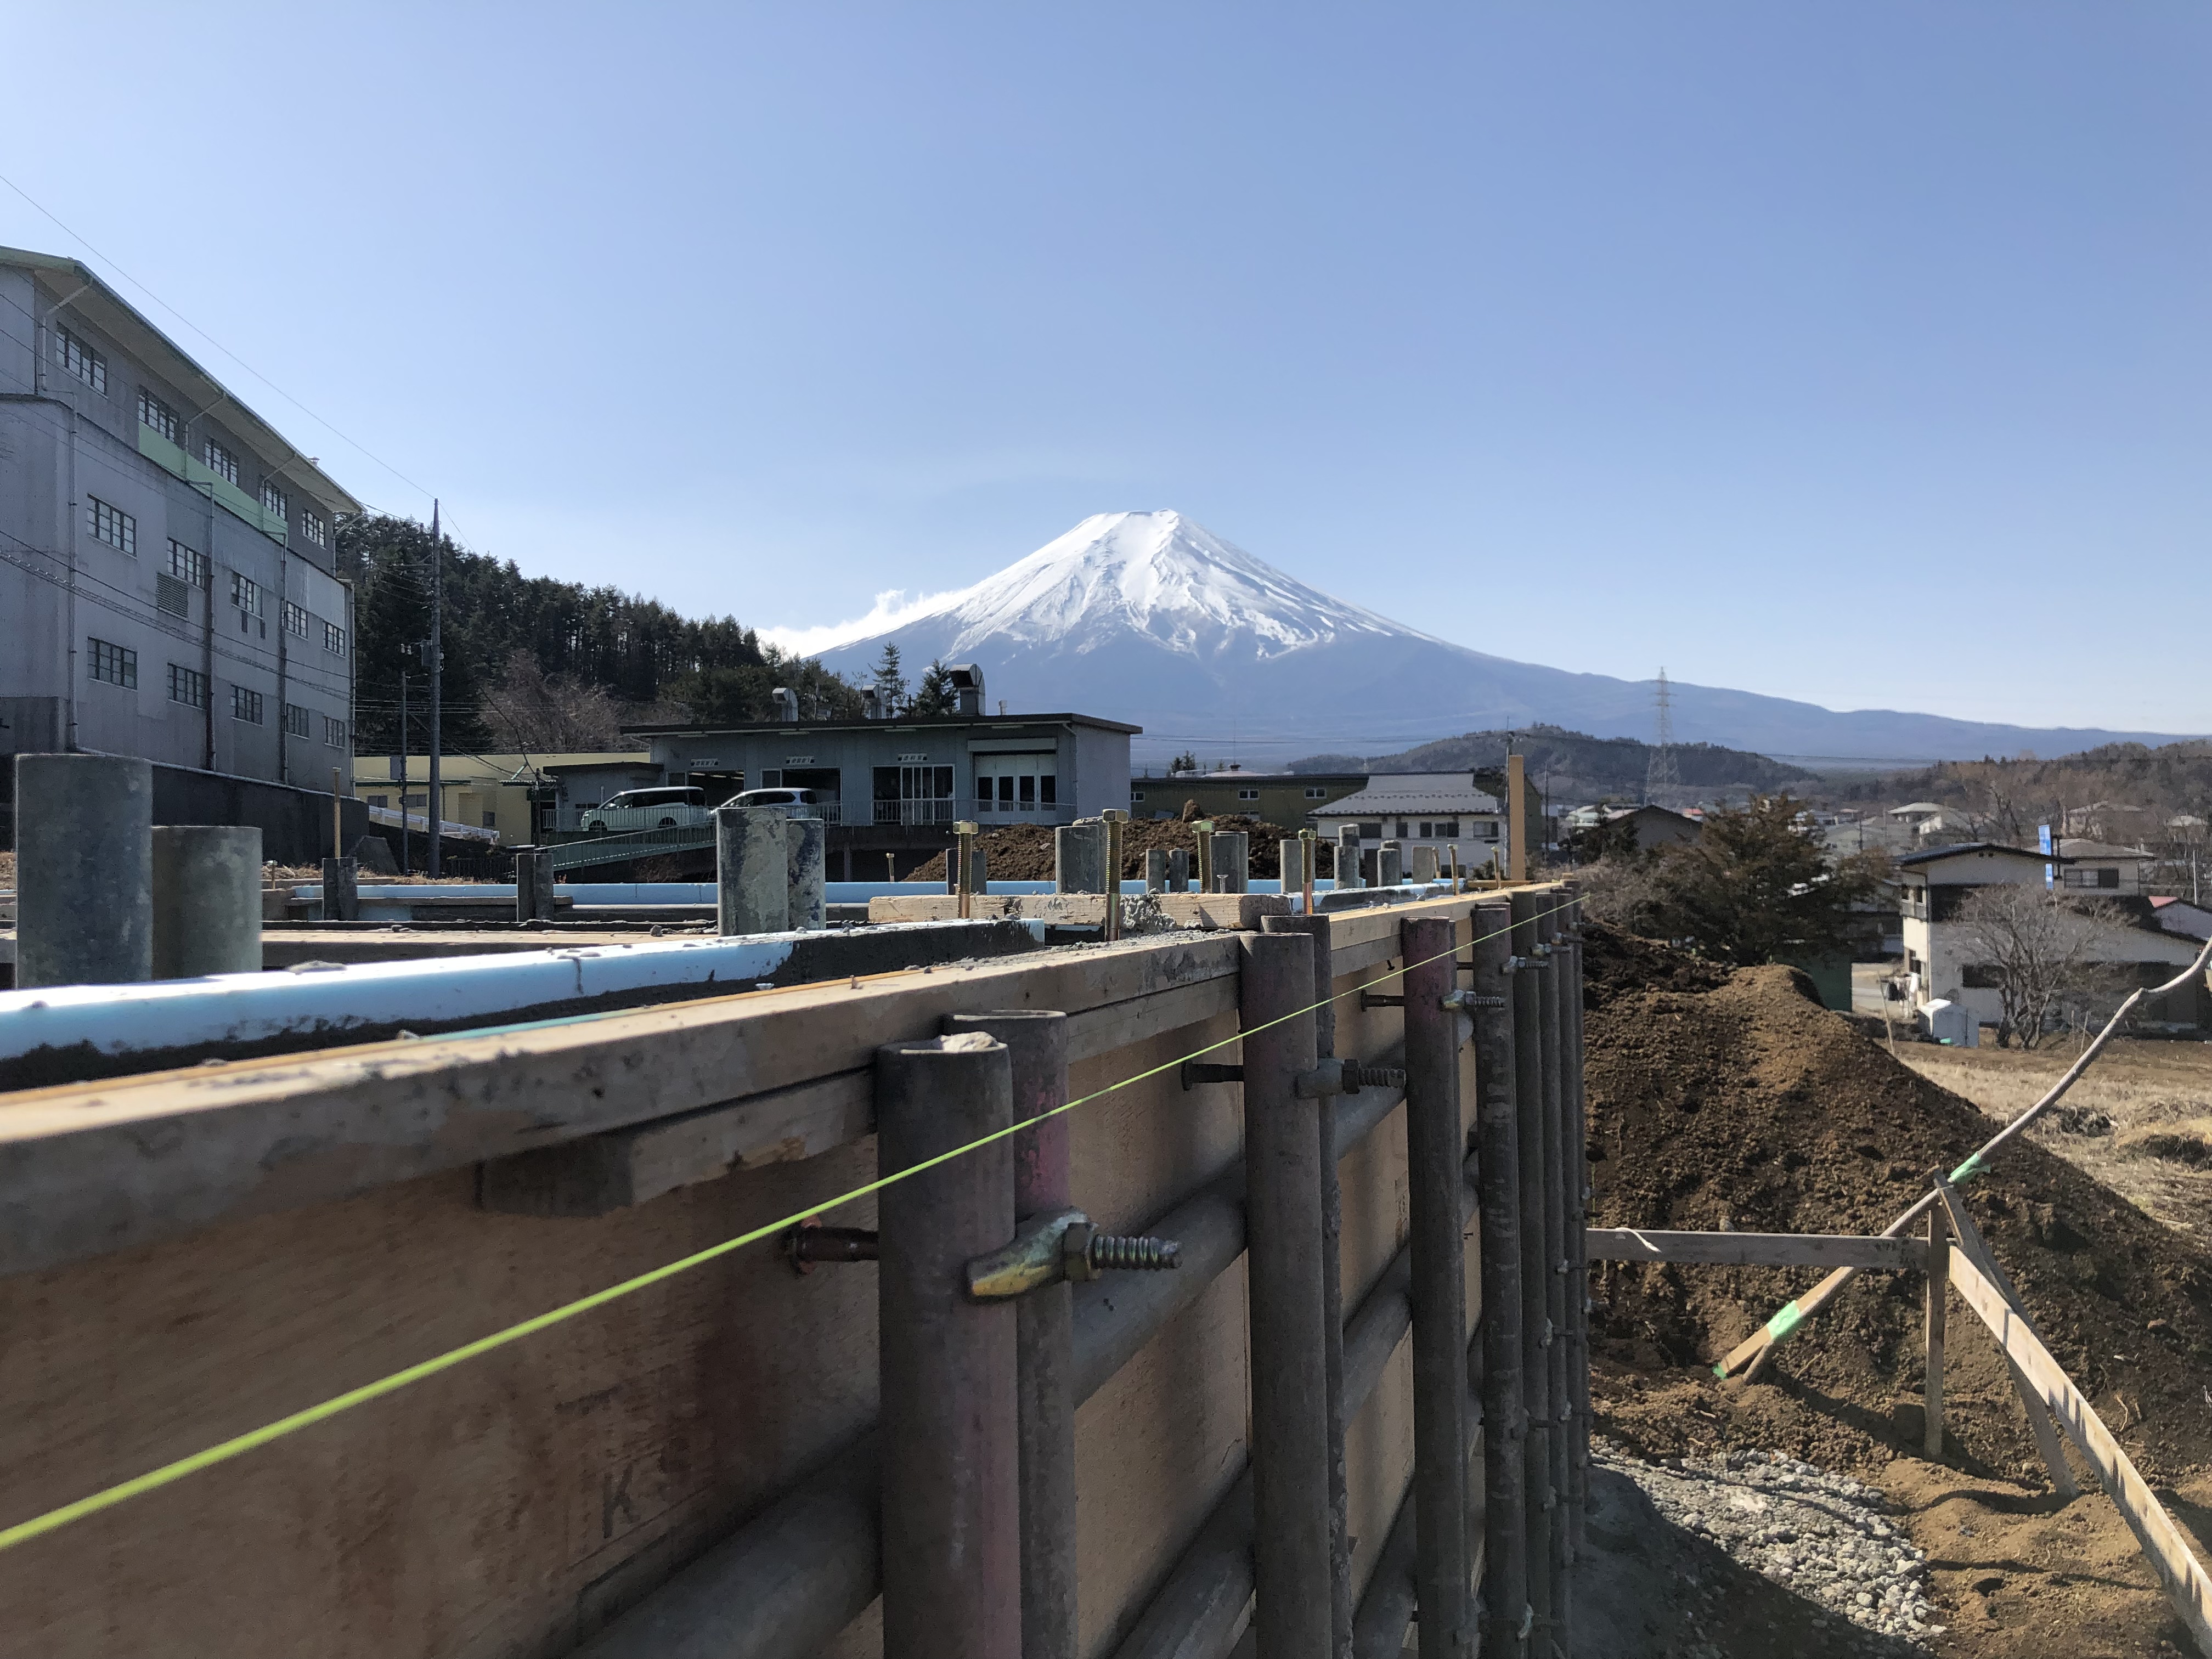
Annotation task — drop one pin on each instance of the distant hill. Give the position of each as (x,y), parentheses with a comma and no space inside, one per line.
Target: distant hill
(2119,792)
(1575,764)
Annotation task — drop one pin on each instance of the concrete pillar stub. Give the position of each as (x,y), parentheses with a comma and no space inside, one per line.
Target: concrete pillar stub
(1155,869)
(341,890)
(1424,863)
(84,870)
(1179,870)
(752,874)
(1232,861)
(1389,863)
(206,900)
(806,851)
(1079,857)
(1347,868)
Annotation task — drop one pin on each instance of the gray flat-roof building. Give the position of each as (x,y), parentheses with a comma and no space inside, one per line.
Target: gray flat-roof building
(168,579)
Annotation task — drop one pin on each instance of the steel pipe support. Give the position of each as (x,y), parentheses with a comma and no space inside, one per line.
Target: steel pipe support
(1504,1447)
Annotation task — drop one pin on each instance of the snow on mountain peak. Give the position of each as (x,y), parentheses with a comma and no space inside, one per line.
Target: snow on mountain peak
(1155,574)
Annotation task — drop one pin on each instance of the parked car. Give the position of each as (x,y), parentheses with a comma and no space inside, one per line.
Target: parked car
(801,803)
(670,808)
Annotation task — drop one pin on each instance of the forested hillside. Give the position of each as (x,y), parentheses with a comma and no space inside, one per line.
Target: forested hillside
(1575,763)
(534,663)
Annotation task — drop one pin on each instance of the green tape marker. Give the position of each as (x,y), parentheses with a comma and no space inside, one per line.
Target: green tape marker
(1779,1328)
(1967,1171)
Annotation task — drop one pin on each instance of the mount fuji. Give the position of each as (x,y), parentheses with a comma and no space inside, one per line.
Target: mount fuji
(1151,618)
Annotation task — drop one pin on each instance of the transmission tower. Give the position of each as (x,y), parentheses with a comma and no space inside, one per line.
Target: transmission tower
(1659,772)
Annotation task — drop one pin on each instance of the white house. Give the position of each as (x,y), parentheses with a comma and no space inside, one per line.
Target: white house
(1442,810)
(2098,869)
(1939,960)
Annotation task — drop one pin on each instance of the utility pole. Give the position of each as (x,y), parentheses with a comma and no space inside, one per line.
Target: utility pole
(436,802)
(406,866)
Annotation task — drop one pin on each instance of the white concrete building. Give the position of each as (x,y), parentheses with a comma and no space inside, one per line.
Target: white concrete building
(1440,810)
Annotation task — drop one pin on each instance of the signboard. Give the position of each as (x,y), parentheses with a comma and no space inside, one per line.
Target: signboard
(2043,845)
(703,762)
(798,760)
(912,760)
(400,768)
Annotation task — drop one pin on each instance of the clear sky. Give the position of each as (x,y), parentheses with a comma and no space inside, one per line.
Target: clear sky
(1857,352)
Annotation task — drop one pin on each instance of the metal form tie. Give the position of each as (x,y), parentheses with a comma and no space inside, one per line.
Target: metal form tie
(1065,1245)
(810,1243)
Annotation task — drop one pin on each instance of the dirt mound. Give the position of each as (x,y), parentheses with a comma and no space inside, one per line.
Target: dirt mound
(1615,963)
(1747,1105)
(1022,852)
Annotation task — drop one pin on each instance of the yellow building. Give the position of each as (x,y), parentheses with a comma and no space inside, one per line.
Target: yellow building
(1283,797)
(512,798)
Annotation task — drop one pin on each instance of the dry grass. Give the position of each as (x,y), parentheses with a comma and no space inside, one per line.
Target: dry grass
(2140,1120)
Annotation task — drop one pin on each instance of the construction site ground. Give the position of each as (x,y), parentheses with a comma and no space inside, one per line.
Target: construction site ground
(1723,1097)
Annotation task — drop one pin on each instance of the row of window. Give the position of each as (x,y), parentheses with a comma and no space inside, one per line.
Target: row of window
(1313,793)
(158,416)
(188,569)
(117,665)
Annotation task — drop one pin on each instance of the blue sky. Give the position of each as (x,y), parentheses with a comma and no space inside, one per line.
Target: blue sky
(1860,353)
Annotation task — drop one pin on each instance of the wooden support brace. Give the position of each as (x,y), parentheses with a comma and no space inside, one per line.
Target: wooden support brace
(1939,1275)
(2179,1572)
(1971,1248)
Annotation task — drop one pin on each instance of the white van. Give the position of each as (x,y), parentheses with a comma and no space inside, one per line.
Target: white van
(670,808)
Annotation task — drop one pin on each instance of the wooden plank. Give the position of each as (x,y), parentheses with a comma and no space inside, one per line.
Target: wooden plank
(89,1168)
(2179,1573)
(1754,1249)
(1977,1249)
(611,1171)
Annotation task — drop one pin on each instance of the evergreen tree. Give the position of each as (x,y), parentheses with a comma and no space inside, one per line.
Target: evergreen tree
(934,695)
(889,682)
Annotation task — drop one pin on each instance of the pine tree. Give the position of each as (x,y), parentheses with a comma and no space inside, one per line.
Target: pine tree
(891,683)
(934,694)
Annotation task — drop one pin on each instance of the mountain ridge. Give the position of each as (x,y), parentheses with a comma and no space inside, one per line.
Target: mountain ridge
(1150,617)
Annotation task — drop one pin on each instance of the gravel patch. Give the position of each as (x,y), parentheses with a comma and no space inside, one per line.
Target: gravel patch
(1825,1537)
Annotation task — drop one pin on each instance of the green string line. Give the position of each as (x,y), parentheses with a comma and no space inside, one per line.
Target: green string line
(224,1451)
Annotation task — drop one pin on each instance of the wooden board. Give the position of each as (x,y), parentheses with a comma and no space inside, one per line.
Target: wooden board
(2179,1573)
(1754,1249)
(1229,910)
(89,1168)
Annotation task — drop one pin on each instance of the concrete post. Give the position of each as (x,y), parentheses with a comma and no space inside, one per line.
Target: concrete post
(1291,860)
(1232,861)
(1347,868)
(1504,1442)
(752,873)
(1079,857)
(1532,1140)
(1156,870)
(84,870)
(806,856)
(952,1495)
(1389,863)
(534,884)
(1424,863)
(341,890)
(207,901)
(978,871)
(1179,870)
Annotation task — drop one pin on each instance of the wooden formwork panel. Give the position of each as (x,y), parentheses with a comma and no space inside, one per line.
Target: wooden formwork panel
(512,1505)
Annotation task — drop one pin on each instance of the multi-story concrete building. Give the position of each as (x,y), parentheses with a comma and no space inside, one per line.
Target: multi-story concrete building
(1283,797)
(168,581)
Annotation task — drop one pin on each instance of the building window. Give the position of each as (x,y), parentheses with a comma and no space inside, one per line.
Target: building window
(1428,830)
(1315,793)
(312,527)
(1401,829)
(276,503)
(491,820)
(296,619)
(1248,795)
(153,413)
(245,705)
(334,639)
(81,359)
(296,720)
(187,566)
(2106,878)
(1047,789)
(112,525)
(219,461)
(1448,828)
(187,686)
(245,594)
(113,664)
(333,733)
(1136,794)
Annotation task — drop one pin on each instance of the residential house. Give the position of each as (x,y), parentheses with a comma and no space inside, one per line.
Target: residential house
(2178,915)
(1283,797)
(2099,869)
(1442,809)
(1942,962)
(168,578)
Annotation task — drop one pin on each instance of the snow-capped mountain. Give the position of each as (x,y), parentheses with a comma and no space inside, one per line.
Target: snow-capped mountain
(1151,618)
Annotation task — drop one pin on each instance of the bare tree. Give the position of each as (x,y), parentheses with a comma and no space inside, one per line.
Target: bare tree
(539,712)
(2037,951)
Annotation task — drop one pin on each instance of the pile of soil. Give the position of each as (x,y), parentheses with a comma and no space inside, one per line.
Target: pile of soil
(1723,1097)
(1022,852)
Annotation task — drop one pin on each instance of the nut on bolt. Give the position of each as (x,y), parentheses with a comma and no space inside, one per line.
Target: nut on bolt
(1065,1245)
